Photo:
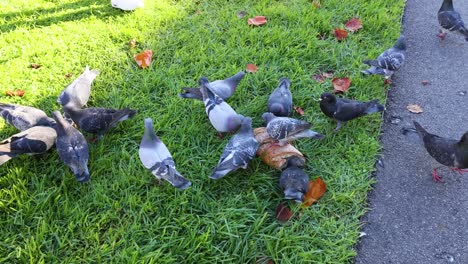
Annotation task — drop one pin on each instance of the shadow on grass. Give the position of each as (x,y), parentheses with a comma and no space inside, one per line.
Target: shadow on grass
(43,17)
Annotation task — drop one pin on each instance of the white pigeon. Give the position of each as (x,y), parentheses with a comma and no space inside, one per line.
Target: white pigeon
(127,5)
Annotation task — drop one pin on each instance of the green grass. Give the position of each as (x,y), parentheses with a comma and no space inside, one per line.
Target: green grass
(124,215)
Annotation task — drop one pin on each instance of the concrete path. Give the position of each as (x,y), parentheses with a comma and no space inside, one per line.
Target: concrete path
(413,219)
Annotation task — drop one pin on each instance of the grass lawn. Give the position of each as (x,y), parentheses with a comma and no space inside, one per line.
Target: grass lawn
(124,215)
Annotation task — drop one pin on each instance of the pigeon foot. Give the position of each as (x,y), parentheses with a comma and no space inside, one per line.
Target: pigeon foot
(436,176)
(442,35)
(460,171)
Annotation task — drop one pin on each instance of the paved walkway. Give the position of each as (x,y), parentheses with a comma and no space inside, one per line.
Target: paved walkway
(412,219)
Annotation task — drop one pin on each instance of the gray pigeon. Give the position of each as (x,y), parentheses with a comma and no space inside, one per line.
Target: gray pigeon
(156,158)
(294,181)
(450,20)
(285,129)
(280,101)
(98,120)
(223,88)
(343,110)
(35,140)
(449,152)
(221,115)
(24,117)
(389,61)
(72,148)
(240,149)
(77,93)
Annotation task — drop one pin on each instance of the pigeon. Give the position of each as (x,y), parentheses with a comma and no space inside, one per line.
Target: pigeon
(221,115)
(24,117)
(72,148)
(293,180)
(280,101)
(98,120)
(285,129)
(240,149)
(389,61)
(343,110)
(156,158)
(223,88)
(35,140)
(449,152)
(450,20)
(77,93)
(127,5)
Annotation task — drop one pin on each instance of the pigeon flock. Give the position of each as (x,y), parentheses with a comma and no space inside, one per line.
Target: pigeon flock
(39,133)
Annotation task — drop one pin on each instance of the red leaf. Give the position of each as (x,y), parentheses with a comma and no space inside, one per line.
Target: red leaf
(283,214)
(242,14)
(316,3)
(19,93)
(251,68)
(340,34)
(317,188)
(132,43)
(341,84)
(318,77)
(144,59)
(354,24)
(35,65)
(257,21)
(299,110)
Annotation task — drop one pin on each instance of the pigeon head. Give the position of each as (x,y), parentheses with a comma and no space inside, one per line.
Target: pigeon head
(267,117)
(294,161)
(328,97)
(284,82)
(295,195)
(149,130)
(46,121)
(81,174)
(464,141)
(61,122)
(447,5)
(400,43)
(203,81)
(234,123)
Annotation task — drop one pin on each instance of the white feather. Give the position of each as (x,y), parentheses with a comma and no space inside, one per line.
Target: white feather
(127,5)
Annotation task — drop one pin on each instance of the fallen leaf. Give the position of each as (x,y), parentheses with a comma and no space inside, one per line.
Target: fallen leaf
(251,68)
(68,75)
(241,14)
(414,108)
(316,3)
(341,84)
(19,93)
(317,188)
(144,59)
(327,74)
(283,214)
(318,77)
(257,21)
(35,66)
(132,43)
(387,81)
(425,82)
(354,24)
(340,34)
(299,110)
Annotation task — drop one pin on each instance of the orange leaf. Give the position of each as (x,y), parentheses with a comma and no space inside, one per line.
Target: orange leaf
(341,84)
(144,59)
(354,24)
(68,75)
(251,68)
(317,188)
(257,21)
(132,43)
(316,3)
(19,93)
(340,34)
(299,110)
(35,66)
(414,108)
(283,214)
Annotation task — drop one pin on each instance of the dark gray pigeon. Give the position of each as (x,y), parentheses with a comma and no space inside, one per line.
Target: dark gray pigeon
(24,117)
(389,61)
(221,115)
(240,149)
(156,158)
(285,129)
(449,152)
(77,93)
(450,20)
(343,110)
(223,88)
(294,181)
(34,140)
(98,120)
(280,102)
(72,148)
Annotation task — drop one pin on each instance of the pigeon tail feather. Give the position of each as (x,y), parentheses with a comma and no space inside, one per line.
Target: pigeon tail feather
(374,107)
(191,93)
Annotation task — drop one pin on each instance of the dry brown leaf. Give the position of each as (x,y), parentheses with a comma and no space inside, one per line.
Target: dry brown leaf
(19,93)
(341,84)
(251,68)
(340,34)
(283,214)
(144,59)
(317,188)
(414,108)
(354,24)
(316,3)
(257,21)
(318,77)
(132,43)
(35,66)
(299,110)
